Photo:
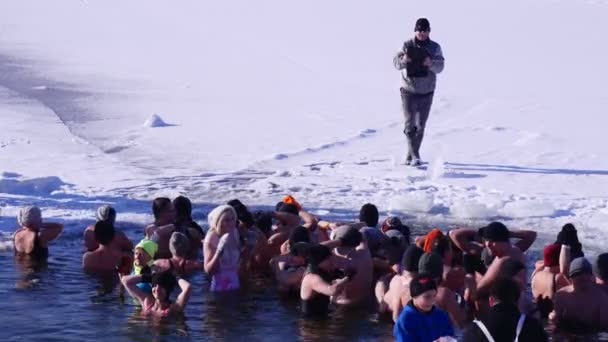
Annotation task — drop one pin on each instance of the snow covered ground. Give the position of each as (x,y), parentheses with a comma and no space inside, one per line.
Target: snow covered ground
(265,98)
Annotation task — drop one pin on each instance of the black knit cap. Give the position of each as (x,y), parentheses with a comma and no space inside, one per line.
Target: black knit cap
(422,24)
(421,284)
(411,258)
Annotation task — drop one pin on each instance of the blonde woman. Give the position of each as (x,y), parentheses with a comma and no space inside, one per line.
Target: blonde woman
(222,249)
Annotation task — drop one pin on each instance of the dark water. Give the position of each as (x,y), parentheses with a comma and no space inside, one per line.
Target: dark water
(57,302)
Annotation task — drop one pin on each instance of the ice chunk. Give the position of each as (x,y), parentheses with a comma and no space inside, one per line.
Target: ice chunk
(415,202)
(528,208)
(472,209)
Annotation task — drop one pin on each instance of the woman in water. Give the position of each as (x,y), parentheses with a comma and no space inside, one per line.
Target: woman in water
(179,244)
(157,303)
(318,284)
(33,235)
(119,243)
(222,249)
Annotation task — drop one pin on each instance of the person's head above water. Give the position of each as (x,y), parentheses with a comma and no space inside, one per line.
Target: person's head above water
(179,245)
(106,213)
(145,251)
(551,255)
(222,219)
(431,265)
(600,267)
(580,267)
(318,257)
(423,291)
(369,215)
(30,217)
(299,234)
(242,213)
(349,236)
(104,232)
(163,283)
(163,210)
(411,259)
(183,208)
(496,238)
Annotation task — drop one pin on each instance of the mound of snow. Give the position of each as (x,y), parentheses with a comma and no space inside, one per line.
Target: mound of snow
(155,121)
(420,202)
(472,209)
(528,208)
(36,186)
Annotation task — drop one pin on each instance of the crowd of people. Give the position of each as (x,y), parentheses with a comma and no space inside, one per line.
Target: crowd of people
(475,281)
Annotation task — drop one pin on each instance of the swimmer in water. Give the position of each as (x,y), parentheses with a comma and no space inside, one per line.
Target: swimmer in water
(222,249)
(318,285)
(163,226)
(104,259)
(119,243)
(157,303)
(33,235)
(179,244)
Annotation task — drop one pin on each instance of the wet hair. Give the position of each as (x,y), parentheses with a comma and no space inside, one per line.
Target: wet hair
(243,214)
(288,208)
(159,205)
(441,245)
(179,244)
(183,207)
(505,290)
(166,280)
(300,234)
(369,215)
(104,232)
(263,220)
(316,255)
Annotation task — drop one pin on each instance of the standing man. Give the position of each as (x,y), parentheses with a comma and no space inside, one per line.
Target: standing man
(419,61)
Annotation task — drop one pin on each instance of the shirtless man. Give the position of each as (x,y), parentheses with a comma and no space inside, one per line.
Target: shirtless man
(288,217)
(105,258)
(496,238)
(398,294)
(162,228)
(119,243)
(354,248)
(583,306)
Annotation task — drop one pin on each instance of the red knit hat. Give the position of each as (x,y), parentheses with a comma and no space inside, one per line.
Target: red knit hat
(551,255)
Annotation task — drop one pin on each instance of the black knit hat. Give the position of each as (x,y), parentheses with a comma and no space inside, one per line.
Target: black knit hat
(411,258)
(421,284)
(422,24)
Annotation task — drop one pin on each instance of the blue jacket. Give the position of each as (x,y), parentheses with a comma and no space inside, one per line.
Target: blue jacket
(415,326)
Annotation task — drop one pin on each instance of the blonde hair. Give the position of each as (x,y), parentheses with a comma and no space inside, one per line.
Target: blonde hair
(216,215)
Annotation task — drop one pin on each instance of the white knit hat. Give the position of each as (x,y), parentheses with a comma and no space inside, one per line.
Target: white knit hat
(214,216)
(30,217)
(106,213)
